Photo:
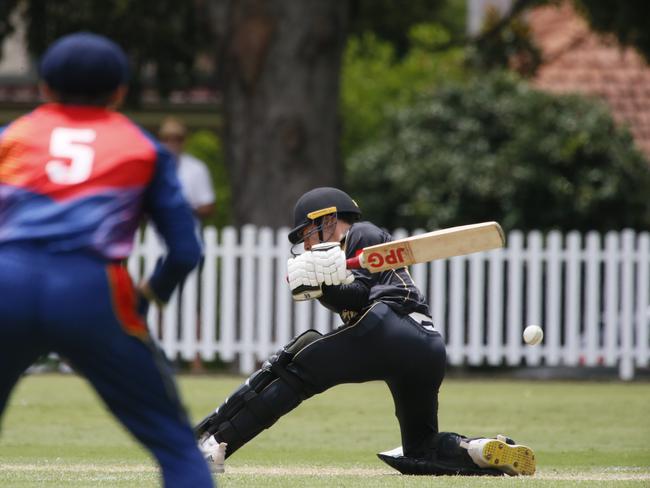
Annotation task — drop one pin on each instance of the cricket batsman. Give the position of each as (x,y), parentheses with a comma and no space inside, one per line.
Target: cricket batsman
(387,334)
(76,179)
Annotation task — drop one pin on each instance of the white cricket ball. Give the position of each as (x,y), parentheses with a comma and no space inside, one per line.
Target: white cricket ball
(533,335)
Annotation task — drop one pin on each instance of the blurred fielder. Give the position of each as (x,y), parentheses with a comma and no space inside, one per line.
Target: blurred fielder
(76,179)
(387,334)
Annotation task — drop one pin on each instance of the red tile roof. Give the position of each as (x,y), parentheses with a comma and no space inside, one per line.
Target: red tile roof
(577,59)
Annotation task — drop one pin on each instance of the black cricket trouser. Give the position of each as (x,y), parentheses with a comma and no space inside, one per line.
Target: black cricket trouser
(383,345)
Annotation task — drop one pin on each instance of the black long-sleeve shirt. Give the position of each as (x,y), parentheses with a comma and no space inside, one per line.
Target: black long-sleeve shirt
(393,287)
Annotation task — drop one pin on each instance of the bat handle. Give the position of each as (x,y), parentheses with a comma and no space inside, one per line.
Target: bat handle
(354,263)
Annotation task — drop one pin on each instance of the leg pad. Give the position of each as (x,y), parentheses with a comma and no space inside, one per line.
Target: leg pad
(267,395)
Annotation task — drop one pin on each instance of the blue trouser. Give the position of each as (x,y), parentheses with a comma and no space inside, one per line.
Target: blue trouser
(84,309)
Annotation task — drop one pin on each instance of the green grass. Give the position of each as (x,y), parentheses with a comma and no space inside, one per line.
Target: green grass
(57,434)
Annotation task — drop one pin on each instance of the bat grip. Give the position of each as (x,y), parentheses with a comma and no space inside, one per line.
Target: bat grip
(353,263)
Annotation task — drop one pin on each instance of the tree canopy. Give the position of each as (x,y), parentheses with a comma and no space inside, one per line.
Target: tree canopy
(273,66)
(375,80)
(392,21)
(161,38)
(629,21)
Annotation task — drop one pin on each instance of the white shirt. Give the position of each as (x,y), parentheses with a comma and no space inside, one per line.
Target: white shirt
(195,179)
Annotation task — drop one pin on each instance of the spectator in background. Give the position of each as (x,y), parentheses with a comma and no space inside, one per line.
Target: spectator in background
(193,173)
(197,188)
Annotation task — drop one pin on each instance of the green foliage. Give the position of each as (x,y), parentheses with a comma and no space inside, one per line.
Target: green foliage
(497,149)
(375,81)
(392,21)
(206,146)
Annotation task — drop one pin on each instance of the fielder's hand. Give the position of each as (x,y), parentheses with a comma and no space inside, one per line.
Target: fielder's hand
(302,277)
(329,264)
(143,297)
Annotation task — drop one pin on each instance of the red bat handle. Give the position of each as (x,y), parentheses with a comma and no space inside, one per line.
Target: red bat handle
(353,263)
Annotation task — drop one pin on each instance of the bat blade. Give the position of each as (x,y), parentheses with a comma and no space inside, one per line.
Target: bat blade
(439,244)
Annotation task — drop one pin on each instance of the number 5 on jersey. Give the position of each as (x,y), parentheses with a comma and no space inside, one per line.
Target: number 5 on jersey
(77,156)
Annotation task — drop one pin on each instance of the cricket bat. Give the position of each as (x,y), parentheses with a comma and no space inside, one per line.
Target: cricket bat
(439,244)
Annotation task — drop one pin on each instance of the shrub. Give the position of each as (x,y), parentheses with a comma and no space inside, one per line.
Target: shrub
(375,81)
(497,149)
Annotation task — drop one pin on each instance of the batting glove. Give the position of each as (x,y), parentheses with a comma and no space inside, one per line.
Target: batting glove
(302,277)
(330,264)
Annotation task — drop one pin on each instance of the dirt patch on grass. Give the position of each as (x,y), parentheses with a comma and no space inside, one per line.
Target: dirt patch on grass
(78,468)
(309,471)
(630,474)
(609,474)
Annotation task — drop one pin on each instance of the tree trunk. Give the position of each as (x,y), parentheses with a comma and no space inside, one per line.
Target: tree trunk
(281,65)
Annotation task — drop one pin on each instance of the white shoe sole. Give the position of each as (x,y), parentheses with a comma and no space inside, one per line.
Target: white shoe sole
(215,456)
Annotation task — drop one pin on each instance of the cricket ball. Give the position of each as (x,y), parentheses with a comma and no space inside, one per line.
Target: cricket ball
(533,335)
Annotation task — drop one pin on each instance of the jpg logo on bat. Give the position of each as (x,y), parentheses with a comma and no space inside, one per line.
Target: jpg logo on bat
(391,256)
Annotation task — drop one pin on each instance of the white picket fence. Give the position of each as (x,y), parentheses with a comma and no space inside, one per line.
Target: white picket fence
(588,292)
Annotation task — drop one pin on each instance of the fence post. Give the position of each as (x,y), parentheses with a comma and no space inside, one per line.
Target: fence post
(572,306)
(642,301)
(592,351)
(534,292)
(612,287)
(264,315)
(456,341)
(626,360)
(554,293)
(514,304)
(283,300)
(247,300)
(209,295)
(228,293)
(496,313)
(189,325)
(476,286)
(438,294)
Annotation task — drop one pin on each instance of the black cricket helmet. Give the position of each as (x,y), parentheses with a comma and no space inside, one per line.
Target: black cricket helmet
(318,203)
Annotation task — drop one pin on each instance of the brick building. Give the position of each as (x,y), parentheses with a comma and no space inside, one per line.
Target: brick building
(576,59)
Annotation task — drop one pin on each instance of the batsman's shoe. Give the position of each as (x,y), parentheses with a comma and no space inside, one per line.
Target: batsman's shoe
(502,454)
(214,453)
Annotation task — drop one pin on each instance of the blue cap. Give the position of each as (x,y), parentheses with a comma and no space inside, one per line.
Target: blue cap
(84,64)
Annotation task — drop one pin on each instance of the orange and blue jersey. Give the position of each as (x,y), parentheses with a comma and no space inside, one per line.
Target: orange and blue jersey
(75,182)
(81,178)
